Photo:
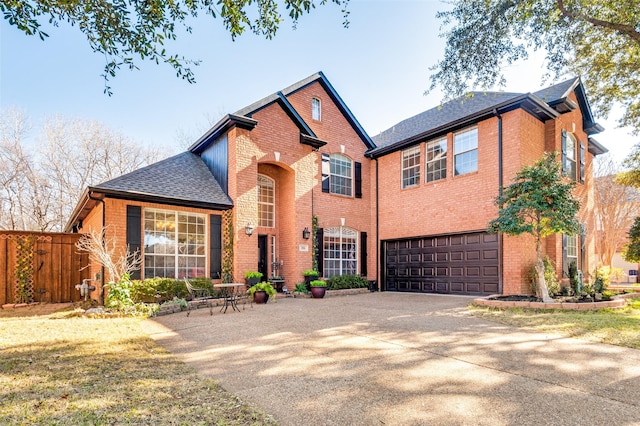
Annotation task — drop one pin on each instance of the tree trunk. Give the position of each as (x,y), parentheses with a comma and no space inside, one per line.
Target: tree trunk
(542,290)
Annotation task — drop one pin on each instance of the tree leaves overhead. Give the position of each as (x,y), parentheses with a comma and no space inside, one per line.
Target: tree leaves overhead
(596,39)
(126,31)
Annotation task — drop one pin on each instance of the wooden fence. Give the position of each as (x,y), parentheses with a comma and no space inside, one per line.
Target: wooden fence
(40,267)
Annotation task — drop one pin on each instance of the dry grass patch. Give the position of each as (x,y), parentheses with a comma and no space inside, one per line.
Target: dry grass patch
(67,370)
(620,327)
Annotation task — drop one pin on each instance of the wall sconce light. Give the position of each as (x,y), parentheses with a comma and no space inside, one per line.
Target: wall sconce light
(249,229)
(306,233)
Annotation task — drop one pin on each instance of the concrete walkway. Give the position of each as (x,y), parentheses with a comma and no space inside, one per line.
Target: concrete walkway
(403,359)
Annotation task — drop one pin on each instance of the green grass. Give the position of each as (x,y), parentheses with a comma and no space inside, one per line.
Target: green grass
(620,327)
(61,369)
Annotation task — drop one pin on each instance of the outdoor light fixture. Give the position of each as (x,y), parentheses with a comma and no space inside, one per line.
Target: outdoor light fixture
(249,229)
(306,233)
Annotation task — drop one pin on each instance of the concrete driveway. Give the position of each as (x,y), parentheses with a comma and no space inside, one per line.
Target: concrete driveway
(403,359)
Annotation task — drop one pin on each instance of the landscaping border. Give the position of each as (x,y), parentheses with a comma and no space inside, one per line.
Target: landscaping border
(618,301)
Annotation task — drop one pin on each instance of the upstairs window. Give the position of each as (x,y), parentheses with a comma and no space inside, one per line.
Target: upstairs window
(569,155)
(411,167)
(437,160)
(340,175)
(266,202)
(465,151)
(316,112)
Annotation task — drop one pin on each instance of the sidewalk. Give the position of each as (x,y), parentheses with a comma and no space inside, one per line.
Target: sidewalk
(403,359)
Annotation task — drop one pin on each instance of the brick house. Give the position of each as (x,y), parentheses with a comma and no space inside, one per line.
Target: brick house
(408,208)
(439,172)
(254,182)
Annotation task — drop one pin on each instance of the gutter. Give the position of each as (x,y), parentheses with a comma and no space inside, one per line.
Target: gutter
(500,185)
(103,244)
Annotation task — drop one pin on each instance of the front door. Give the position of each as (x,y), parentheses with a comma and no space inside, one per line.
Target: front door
(262,255)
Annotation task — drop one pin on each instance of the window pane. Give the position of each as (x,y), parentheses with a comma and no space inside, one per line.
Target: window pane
(340,175)
(465,147)
(411,166)
(266,202)
(340,251)
(436,160)
(315,109)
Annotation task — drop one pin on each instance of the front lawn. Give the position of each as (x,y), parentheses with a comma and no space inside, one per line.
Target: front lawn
(67,370)
(619,327)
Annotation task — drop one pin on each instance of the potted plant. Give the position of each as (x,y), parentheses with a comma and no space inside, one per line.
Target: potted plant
(318,288)
(310,275)
(261,292)
(252,278)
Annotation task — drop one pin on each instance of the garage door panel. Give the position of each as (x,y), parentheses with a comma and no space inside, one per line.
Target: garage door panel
(459,264)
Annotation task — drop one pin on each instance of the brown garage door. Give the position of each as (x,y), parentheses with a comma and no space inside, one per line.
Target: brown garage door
(453,264)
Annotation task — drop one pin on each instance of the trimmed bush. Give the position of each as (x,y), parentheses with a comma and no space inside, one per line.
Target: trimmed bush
(340,282)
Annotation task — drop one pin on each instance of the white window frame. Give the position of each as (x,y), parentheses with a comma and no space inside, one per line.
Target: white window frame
(572,248)
(340,251)
(465,151)
(340,183)
(436,156)
(571,161)
(178,235)
(316,109)
(411,167)
(266,209)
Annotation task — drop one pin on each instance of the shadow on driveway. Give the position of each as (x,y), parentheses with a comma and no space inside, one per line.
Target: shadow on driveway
(403,359)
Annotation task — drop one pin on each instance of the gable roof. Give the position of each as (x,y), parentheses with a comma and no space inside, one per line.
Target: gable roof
(181,180)
(467,110)
(307,135)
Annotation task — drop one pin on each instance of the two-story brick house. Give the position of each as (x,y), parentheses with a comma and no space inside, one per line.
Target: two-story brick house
(250,189)
(439,172)
(408,208)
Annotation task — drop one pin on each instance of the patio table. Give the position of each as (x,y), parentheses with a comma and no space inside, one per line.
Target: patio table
(229,295)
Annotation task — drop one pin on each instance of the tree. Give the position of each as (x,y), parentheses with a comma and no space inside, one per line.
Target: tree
(538,202)
(123,29)
(616,205)
(40,185)
(597,39)
(632,253)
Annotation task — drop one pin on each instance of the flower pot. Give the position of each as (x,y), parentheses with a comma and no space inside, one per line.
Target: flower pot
(308,279)
(260,297)
(252,281)
(318,292)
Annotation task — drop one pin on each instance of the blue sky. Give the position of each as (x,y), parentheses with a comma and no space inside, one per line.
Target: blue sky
(379,65)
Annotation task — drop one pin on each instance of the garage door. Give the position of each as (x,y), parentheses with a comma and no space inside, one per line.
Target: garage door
(453,264)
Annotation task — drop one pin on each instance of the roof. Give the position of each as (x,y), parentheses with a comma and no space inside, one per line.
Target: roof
(467,110)
(280,97)
(181,180)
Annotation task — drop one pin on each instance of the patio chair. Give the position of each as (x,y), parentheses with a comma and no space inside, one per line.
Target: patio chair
(201,297)
(243,297)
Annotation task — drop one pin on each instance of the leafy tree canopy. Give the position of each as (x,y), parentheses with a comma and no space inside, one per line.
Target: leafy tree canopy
(122,30)
(538,202)
(632,253)
(597,39)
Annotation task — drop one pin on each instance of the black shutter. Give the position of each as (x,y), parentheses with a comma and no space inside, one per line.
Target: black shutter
(564,152)
(565,260)
(320,252)
(326,170)
(134,234)
(363,253)
(581,162)
(215,246)
(358,178)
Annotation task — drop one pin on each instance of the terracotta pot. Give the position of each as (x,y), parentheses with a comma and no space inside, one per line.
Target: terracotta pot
(318,292)
(308,279)
(260,297)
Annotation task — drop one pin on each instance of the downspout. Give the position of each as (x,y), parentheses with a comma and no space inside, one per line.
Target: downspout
(103,245)
(377,231)
(500,185)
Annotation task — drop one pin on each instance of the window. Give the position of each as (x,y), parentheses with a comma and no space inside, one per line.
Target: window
(465,152)
(340,251)
(340,175)
(411,167)
(436,160)
(266,202)
(569,155)
(572,247)
(315,109)
(174,244)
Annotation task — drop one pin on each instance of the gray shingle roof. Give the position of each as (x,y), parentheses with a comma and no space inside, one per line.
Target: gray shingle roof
(460,108)
(184,177)
(442,115)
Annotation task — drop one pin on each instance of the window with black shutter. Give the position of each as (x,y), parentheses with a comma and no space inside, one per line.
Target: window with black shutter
(134,234)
